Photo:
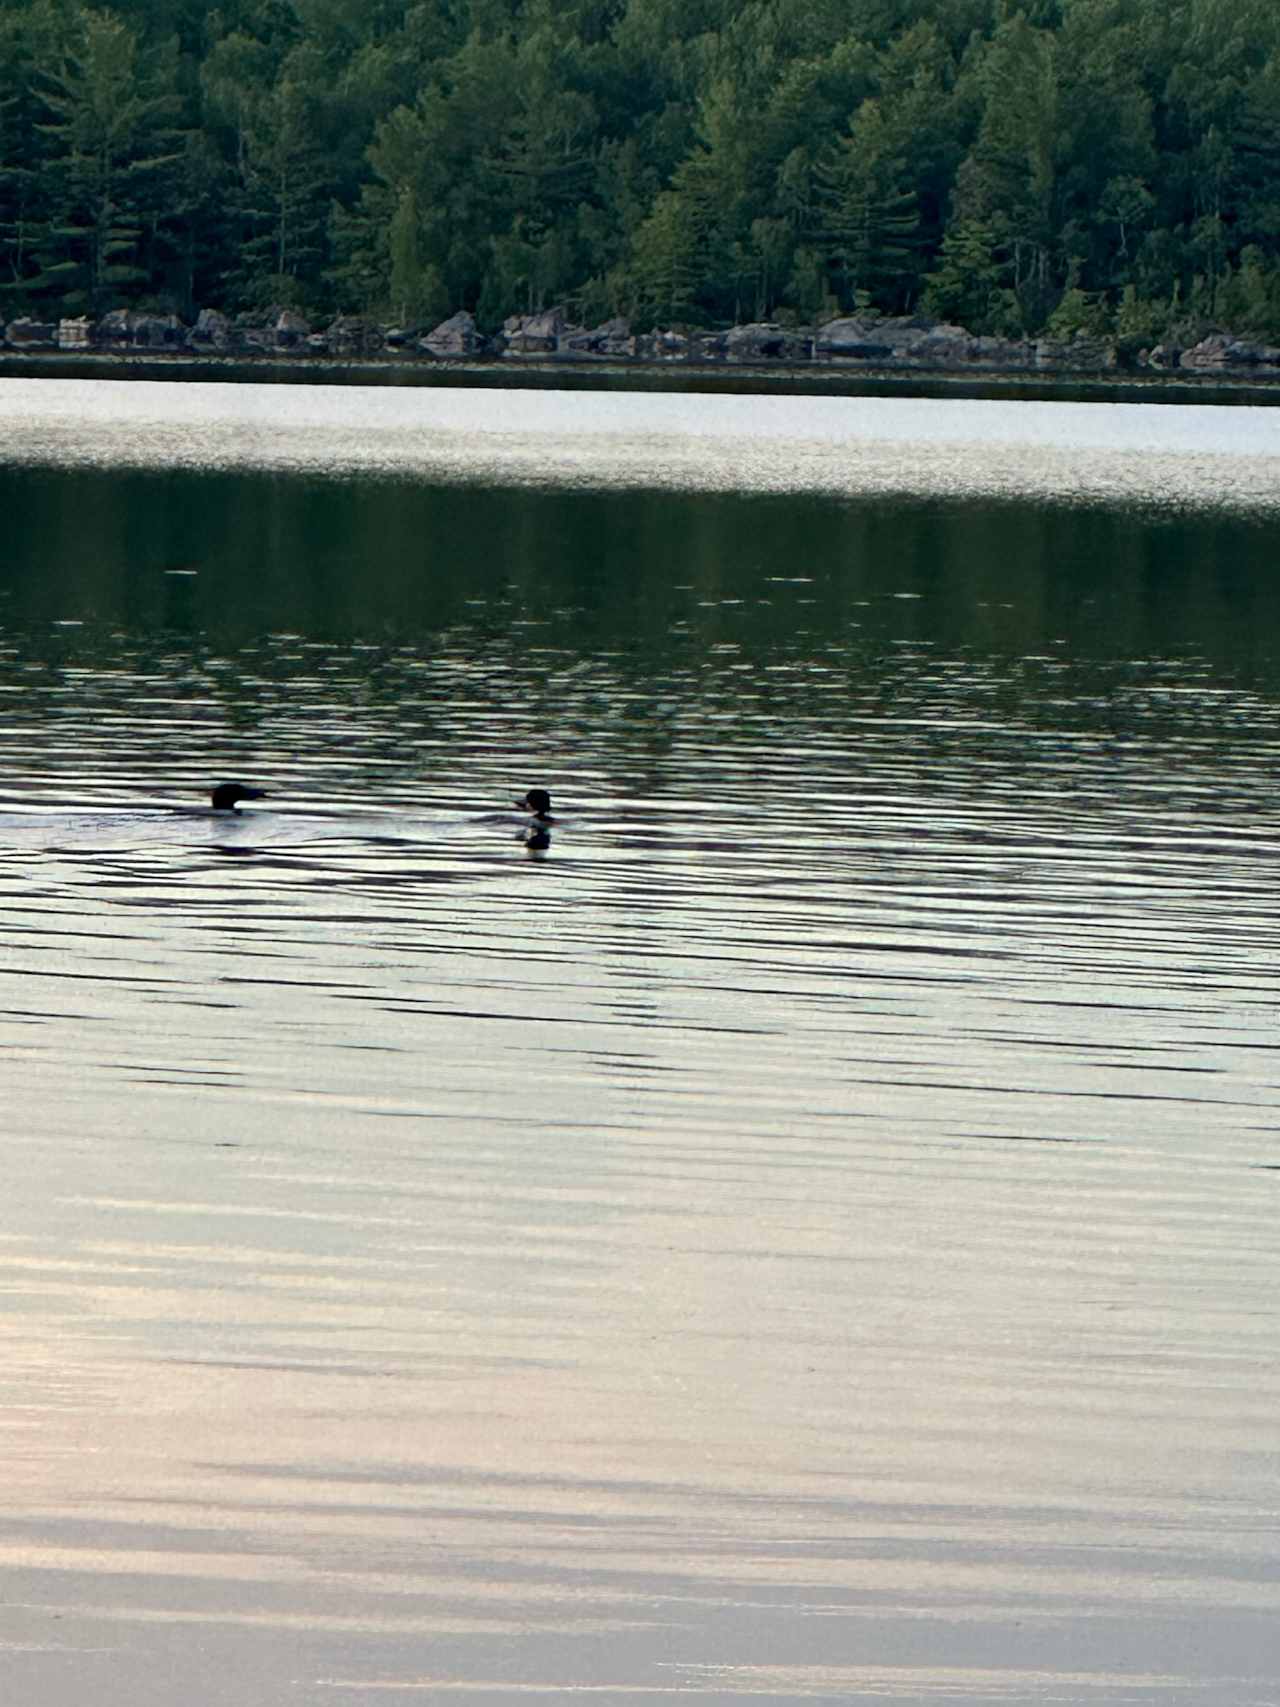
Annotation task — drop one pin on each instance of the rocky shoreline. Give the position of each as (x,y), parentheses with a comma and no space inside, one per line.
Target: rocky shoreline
(908,344)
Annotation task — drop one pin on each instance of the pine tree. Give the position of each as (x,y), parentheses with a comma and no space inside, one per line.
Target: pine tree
(869,222)
(968,285)
(279,192)
(666,260)
(113,149)
(24,182)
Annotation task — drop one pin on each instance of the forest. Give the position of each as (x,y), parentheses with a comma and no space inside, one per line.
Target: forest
(1109,167)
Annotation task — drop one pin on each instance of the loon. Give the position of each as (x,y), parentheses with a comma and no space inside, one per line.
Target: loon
(227,796)
(538,801)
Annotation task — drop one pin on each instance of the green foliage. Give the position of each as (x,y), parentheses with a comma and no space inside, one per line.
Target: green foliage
(1248,296)
(1009,164)
(666,256)
(111,150)
(968,287)
(1139,323)
(1079,315)
(25,43)
(869,224)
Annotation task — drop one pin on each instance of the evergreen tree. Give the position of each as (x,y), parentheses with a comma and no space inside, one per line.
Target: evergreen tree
(870,221)
(1255,188)
(1009,181)
(666,261)
(1007,163)
(113,147)
(968,286)
(23,183)
(279,187)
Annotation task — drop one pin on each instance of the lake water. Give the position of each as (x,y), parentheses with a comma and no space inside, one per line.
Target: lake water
(810,1233)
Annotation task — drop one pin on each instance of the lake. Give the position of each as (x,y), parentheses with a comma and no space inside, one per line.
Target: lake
(809,1233)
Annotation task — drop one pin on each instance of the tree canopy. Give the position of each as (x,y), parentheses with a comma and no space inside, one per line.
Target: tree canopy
(1103,165)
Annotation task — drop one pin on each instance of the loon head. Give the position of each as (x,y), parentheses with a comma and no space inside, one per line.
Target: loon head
(227,795)
(537,801)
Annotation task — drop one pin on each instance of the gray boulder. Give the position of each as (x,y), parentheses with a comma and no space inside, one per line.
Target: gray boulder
(291,330)
(353,335)
(534,334)
(258,332)
(127,329)
(902,340)
(27,334)
(915,341)
(941,344)
(855,338)
(852,339)
(1162,356)
(114,328)
(1080,354)
(454,337)
(1247,352)
(767,342)
(212,331)
(1210,352)
(612,338)
(664,346)
(1221,351)
(158,332)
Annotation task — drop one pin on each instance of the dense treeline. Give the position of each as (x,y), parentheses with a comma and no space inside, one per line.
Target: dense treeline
(1096,165)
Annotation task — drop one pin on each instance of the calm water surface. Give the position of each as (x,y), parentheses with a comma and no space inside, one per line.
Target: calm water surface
(809,1234)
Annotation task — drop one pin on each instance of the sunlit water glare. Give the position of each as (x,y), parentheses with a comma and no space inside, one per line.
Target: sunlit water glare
(1133,452)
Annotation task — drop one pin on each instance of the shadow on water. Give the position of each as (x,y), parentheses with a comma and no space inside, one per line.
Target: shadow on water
(227,558)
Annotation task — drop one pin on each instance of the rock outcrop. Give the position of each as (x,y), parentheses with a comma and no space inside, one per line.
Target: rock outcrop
(353,335)
(291,330)
(212,331)
(1162,357)
(454,338)
(534,334)
(917,342)
(1080,354)
(1221,352)
(902,343)
(27,334)
(611,339)
(765,342)
(125,329)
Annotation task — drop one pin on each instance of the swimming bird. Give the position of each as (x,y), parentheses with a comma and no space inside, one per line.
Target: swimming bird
(537,801)
(227,795)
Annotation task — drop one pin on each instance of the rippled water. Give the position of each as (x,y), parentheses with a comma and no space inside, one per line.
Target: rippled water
(809,1233)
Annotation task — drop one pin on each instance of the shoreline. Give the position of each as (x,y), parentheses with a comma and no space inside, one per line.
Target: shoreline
(528,372)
